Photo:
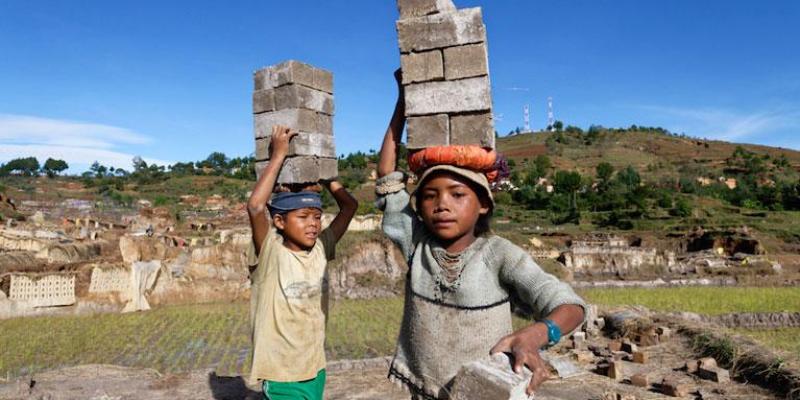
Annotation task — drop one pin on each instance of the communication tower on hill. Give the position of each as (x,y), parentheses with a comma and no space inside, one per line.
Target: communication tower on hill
(550,118)
(526,118)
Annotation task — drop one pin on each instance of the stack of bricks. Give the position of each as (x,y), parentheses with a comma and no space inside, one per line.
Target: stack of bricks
(300,97)
(445,69)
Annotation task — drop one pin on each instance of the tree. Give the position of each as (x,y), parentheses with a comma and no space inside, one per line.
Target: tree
(218,161)
(139,164)
(54,167)
(568,182)
(629,177)
(541,165)
(182,169)
(682,208)
(604,172)
(28,166)
(98,169)
(558,126)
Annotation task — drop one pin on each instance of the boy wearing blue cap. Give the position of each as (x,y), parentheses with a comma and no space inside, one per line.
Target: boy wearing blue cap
(288,301)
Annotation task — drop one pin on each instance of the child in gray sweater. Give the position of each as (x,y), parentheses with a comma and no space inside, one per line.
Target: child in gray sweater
(462,279)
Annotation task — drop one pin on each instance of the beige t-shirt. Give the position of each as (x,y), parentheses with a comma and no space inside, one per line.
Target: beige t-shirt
(288,302)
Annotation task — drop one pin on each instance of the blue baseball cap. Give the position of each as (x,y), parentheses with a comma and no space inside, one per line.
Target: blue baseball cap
(284,202)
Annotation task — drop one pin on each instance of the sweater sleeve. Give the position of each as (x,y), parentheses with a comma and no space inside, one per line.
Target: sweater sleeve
(400,222)
(536,289)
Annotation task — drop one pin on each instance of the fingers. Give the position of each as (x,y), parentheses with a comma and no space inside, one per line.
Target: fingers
(280,130)
(540,374)
(519,361)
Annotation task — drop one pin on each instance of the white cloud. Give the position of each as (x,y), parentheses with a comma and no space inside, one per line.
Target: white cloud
(77,143)
(727,124)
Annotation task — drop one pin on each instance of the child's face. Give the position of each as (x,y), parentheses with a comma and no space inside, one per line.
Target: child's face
(449,207)
(300,227)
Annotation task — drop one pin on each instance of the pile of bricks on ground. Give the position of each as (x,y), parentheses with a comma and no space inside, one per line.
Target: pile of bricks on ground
(634,349)
(625,361)
(445,68)
(298,96)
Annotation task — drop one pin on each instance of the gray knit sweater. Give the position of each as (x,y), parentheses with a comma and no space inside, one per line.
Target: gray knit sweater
(449,323)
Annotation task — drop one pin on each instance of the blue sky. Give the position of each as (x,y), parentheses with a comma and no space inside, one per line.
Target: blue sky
(89,80)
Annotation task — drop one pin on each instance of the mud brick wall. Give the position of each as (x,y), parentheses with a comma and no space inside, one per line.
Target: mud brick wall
(109,280)
(299,96)
(445,67)
(43,291)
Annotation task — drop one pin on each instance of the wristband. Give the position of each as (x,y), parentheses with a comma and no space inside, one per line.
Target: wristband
(553,332)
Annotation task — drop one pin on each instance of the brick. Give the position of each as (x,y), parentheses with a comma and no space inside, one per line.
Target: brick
(647,339)
(262,149)
(640,357)
(297,96)
(671,387)
(312,144)
(490,379)
(263,101)
(297,119)
(441,30)
(422,67)
(473,94)
(707,363)
(419,8)
(304,144)
(293,72)
(427,131)
(303,169)
(615,345)
(691,366)
(323,80)
(640,380)
(324,124)
(466,61)
(477,129)
(615,370)
(579,337)
(716,374)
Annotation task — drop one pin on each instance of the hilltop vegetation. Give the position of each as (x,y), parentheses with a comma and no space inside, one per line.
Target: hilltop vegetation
(639,178)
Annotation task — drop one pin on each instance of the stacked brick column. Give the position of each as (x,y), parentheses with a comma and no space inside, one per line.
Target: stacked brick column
(445,73)
(300,97)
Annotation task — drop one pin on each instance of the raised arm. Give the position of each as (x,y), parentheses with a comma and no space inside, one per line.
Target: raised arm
(348,206)
(257,204)
(388,154)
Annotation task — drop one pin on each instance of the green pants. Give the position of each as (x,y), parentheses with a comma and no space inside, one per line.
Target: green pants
(304,390)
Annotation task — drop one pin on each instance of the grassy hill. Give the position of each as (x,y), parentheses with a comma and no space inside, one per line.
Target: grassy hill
(654,154)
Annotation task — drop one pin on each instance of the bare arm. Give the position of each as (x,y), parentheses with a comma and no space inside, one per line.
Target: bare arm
(388,154)
(525,343)
(257,204)
(348,206)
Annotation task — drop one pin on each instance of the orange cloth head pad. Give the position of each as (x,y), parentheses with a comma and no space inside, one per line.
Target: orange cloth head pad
(475,158)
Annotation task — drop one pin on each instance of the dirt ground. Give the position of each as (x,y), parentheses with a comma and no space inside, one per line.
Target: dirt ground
(106,382)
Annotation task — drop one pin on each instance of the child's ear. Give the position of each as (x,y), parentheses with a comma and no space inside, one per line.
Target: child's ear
(279,222)
(484,206)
